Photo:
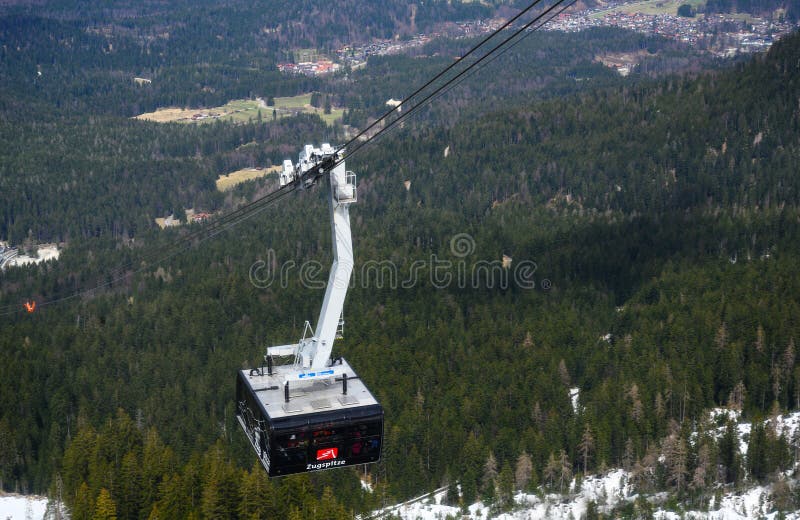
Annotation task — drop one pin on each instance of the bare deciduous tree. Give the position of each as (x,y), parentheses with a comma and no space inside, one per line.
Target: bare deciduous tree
(586,446)
(522,473)
(565,470)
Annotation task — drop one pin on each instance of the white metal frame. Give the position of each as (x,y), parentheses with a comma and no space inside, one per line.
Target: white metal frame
(312,353)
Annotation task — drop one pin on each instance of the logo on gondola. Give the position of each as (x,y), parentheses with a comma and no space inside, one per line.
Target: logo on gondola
(327,453)
(321,373)
(325,465)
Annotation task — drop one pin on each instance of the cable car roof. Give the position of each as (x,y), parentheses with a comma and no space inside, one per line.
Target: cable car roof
(312,397)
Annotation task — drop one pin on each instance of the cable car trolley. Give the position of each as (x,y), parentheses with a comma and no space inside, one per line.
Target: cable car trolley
(312,412)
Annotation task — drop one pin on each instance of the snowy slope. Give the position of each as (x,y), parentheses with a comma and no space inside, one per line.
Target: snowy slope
(18,507)
(607,491)
(610,489)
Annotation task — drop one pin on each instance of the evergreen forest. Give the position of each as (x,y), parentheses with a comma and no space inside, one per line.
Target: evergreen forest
(636,239)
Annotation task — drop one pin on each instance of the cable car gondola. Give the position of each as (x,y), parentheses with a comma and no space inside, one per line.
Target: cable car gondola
(318,427)
(313,413)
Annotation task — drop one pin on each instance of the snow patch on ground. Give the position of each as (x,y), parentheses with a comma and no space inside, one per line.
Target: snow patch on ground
(574,396)
(608,491)
(426,507)
(751,504)
(18,507)
(786,425)
(744,437)
(721,415)
(44,253)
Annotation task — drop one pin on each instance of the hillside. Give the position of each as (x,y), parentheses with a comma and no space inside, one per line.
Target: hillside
(69,127)
(656,220)
(614,493)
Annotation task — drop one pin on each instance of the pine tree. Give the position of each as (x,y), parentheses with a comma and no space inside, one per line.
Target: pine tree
(505,487)
(551,470)
(787,367)
(329,508)
(296,491)
(76,461)
(105,508)
(257,495)
(155,513)
(8,455)
(83,503)
(592,512)
(471,468)
(778,452)
(451,497)
(157,462)
(794,444)
(797,387)
(729,457)
(776,373)
(757,450)
(249,505)
(489,479)
(789,357)
(173,502)
(629,456)
(220,494)
(128,487)
(295,513)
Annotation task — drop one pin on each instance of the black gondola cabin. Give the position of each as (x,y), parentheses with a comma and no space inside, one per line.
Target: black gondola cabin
(324,424)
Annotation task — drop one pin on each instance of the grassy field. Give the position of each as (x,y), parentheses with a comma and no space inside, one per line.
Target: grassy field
(226,182)
(167,115)
(286,106)
(293,102)
(651,7)
(301,55)
(242,111)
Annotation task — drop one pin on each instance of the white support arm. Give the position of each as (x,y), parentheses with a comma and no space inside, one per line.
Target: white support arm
(341,270)
(316,351)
